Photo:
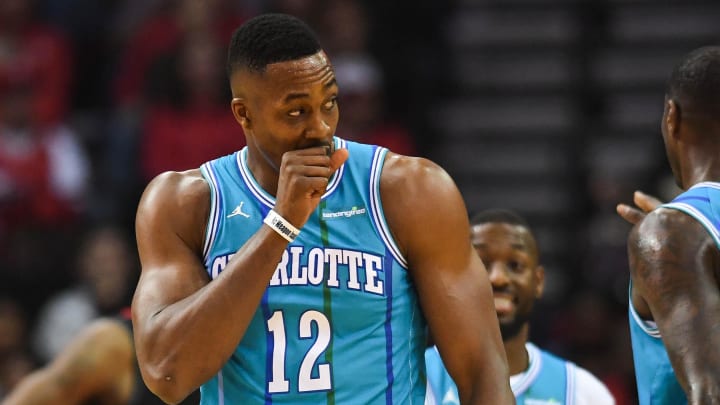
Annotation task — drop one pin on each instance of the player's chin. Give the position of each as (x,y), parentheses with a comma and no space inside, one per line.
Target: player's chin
(506,318)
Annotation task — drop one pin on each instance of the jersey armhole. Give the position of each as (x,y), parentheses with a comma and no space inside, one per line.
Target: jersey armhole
(215,208)
(378,216)
(649,327)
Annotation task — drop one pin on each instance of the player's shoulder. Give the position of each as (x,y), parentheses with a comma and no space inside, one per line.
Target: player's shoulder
(416,188)
(174,203)
(412,173)
(662,224)
(186,185)
(186,190)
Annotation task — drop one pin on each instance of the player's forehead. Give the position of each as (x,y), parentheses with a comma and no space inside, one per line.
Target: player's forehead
(311,70)
(498,234)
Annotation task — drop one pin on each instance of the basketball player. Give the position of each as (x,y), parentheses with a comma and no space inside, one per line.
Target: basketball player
(508,248)
(97,367)
(294,271)
(674,250)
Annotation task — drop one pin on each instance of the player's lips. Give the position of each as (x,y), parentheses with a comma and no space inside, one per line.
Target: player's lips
(329,145)
(504,303)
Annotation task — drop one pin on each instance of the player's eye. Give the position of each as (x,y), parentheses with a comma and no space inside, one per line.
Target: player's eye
(296,113)
(330,103)
(514,265)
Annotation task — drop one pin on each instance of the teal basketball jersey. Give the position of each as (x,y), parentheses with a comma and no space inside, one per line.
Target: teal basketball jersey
(656,380)
(339,322)
(548,379)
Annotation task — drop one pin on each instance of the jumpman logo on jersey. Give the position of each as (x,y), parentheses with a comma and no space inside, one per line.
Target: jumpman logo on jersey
(238,211)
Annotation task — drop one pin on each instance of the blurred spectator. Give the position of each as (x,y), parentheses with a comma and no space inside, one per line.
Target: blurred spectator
(306,10)
(43,169)
(343,31)
(107,267)
(361,101)
(163,32)
(344,28)
(191,122)
(34,55)
(139,78)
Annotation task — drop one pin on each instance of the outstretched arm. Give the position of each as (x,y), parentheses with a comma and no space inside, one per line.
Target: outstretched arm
(428,218)
(673,262)
(94,364)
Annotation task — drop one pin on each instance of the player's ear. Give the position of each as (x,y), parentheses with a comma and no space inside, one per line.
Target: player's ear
(240,112)
(539,275)
(672,117)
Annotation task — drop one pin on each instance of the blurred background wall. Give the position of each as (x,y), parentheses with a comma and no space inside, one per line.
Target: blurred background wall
(547,107)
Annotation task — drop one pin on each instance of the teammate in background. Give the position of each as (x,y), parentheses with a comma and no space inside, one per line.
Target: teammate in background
(508,248)
(97,367)
(674,251)
(295,270)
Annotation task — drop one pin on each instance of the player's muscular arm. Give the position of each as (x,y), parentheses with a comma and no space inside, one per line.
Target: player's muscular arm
(673,261)
(98,364)
(429,221)
(176,310)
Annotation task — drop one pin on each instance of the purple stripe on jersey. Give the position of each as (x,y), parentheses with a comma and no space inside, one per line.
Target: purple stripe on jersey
(388,327)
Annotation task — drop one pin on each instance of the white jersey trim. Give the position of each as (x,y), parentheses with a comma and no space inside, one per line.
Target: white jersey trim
(569,383)
(376,206)
(699,216)
(710,184)
(215,209)
(649,327)
(519,383)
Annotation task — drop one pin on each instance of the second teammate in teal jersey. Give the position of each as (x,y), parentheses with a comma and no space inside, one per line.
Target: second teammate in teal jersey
(303,269)
(506,245)
(674,251)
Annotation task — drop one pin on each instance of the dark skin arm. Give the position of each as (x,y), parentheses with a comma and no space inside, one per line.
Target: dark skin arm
(99,364)
(430,224)
(674,268)
(176,310)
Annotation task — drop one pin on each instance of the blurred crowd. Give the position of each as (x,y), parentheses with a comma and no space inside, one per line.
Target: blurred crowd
(98,97)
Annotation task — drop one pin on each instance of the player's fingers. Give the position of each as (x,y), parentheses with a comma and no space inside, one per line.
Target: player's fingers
(645,202)
(316,185)
(307,160)
(630,214)
(315,150)
(338,158)
(310,171)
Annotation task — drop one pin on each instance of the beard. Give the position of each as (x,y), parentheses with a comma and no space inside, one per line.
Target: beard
(511,328)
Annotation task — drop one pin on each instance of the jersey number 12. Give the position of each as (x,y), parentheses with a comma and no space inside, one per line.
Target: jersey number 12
(306,382)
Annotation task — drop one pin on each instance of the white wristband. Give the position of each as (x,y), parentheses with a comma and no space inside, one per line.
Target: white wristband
(281,226)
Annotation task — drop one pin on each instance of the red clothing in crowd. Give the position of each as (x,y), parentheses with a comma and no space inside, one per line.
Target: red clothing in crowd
(39,59)
(181,139)
(157,37)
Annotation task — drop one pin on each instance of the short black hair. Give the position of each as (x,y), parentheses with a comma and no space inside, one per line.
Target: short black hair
(502,216)
(270,38)
(508,217)
(696,80)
